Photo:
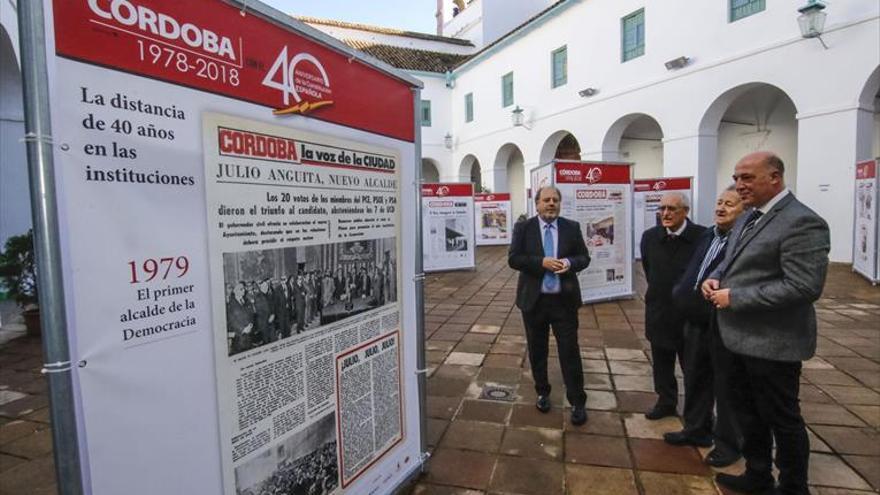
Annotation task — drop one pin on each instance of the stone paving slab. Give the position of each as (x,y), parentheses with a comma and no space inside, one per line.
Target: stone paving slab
(474,340)
(618,451)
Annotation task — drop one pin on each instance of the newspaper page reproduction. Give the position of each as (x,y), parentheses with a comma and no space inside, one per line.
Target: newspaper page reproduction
(447,226)
(598,196)
(303,245)
(865,256)
(493,218)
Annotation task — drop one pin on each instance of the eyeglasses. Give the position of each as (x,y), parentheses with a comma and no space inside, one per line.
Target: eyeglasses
(670,209)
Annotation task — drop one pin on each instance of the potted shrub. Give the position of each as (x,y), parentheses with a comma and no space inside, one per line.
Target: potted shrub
(18,275)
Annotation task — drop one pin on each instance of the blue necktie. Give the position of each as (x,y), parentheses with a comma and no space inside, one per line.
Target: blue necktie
(551,280)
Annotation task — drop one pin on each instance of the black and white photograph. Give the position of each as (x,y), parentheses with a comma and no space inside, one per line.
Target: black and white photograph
(600,232)
(456,240)
(303,464)
(274,294)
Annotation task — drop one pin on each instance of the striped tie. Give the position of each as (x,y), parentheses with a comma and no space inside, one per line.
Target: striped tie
(750,223)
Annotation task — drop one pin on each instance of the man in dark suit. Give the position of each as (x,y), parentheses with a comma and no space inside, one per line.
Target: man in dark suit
(666,250)
(706,360)
(239,320)
(773,271)
(283,308)
(548,251)
(264,313)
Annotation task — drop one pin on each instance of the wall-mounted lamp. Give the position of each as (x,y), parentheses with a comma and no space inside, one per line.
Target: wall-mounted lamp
(447,141)
(812,20)
(677,63)
(517,118)
(587,92)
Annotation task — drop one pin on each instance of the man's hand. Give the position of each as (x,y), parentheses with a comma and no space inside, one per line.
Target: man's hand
(721,298)
(566,265)
(709,287)
(248,328)
(553,264)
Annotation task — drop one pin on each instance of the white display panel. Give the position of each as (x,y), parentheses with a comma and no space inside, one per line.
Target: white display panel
(865,252)
(492,217)
(145,177)
(599,196)
(447,226)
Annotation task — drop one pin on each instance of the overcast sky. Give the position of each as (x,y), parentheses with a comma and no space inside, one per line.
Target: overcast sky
(411,15)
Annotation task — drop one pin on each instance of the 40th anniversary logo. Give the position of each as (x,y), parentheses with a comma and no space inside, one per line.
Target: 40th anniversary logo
(291,76)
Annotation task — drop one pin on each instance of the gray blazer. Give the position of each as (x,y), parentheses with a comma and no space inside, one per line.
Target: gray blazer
(774,274)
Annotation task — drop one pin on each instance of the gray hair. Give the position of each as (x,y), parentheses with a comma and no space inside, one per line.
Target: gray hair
(682,198)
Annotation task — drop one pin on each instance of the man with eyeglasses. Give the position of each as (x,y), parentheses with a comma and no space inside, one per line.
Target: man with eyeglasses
(666,250)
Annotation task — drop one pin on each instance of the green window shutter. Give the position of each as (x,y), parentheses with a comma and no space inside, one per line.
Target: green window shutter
(469,107)
(559,62)
(507,90)
(633,35)
(745,8)
(426,113)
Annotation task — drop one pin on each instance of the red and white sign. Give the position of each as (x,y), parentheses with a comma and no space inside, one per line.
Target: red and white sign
(598,195)
(665,184)
(493,218)
(592,173)
(448,226)
(447,190)
(212,46)
(866,232)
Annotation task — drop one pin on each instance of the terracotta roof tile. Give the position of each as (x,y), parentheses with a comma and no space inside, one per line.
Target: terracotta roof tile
(381,30)
(408,58)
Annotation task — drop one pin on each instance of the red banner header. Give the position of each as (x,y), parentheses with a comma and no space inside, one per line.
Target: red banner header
(662,184)
(491,197)
(866,170)
(447,190)
(210,46)
(592,173)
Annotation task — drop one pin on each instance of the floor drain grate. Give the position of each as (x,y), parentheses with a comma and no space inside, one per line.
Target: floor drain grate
(497,393)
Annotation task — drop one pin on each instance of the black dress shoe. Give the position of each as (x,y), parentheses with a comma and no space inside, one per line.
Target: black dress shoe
(722,457)
(685,438)
(578,415)
(543,403)
(659,412)
(747,482)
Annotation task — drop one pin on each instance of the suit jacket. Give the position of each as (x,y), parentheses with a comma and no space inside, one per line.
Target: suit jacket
(527,252)
(664,262)
(774,274)
(688,300)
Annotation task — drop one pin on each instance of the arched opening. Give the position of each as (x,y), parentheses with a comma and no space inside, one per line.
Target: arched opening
(15,209)
(510,160)
(469,171)
(636,138)
(561,145)
(747,118)
(430,171)
(868,132)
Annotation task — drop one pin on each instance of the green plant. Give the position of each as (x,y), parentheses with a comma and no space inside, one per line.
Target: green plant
(18,271)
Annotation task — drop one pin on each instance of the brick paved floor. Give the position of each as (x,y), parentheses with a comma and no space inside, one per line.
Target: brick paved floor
(480,444)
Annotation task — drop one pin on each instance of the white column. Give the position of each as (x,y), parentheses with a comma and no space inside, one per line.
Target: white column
(694,156)
(827,154)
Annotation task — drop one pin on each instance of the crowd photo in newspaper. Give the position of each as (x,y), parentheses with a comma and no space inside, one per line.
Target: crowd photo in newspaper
(277,293)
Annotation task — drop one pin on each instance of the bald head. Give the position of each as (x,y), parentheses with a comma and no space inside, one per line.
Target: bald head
(759,177)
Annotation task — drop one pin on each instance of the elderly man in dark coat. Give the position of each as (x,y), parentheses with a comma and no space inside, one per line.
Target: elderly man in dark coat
(666,250)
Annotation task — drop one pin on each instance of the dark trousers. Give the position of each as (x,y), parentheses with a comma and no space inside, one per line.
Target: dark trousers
(728,435)
(665,384)
(552,312)
(706,364)
(764,396)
